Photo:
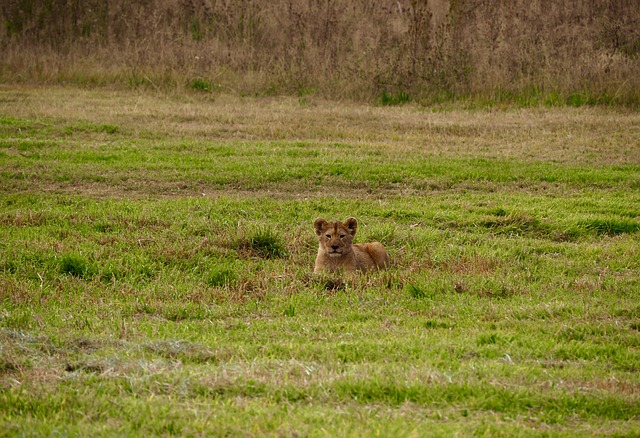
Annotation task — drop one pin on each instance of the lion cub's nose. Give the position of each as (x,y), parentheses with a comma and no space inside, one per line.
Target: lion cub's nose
(335,246)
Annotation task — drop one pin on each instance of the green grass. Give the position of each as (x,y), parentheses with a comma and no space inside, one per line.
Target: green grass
(75,264)
(157,253)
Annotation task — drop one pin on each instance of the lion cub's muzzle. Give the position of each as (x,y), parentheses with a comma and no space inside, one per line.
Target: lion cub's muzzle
(334,251)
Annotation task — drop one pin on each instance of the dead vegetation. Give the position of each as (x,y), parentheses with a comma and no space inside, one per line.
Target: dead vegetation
(394,51)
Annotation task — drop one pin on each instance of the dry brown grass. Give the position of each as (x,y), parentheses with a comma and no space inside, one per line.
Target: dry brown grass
(536,51)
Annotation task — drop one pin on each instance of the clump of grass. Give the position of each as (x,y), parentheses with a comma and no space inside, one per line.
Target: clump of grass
(488,338)
(415,291)
(76,265)
(222,276)
(204,85)
(110,272)
(265,243)
(430,289)
(290,310)
(328,282)
(108,129)
(515,222)
(611,227)
(392,99)
(201,85)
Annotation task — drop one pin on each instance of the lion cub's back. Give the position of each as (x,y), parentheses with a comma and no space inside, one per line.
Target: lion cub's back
(371,256)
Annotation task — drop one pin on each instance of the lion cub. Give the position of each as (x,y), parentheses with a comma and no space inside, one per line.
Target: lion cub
(337,252)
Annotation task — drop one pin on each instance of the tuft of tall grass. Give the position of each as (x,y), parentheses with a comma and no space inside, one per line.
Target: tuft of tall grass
(259,242)
(265,243)
(222,276)
(390,99)
(77,265)
(611,227)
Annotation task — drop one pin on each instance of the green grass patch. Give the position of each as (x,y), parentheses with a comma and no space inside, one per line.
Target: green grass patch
(611,227)
(203,85)
(76,265)
(391,99)
(222,275)
(263,243)
(157,254)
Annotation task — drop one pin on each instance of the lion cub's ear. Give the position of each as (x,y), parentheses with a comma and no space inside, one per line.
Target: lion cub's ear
(351,224)
(319,225)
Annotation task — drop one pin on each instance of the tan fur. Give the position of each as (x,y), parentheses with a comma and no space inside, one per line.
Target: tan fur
(337,252)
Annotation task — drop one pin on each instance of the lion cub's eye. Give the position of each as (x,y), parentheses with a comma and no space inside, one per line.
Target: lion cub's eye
(342,236)
(328,236)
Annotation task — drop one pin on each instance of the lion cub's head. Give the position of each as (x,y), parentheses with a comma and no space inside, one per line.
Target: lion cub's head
(336,238)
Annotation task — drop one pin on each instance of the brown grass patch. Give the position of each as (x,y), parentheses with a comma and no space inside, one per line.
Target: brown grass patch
(471,265)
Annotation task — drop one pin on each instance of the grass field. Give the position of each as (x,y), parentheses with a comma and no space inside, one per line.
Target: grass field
(156,255)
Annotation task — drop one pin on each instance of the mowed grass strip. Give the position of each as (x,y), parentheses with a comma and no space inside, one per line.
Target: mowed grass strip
(155,269)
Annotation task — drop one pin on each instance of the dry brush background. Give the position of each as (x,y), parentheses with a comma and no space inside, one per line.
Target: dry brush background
(541,51)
